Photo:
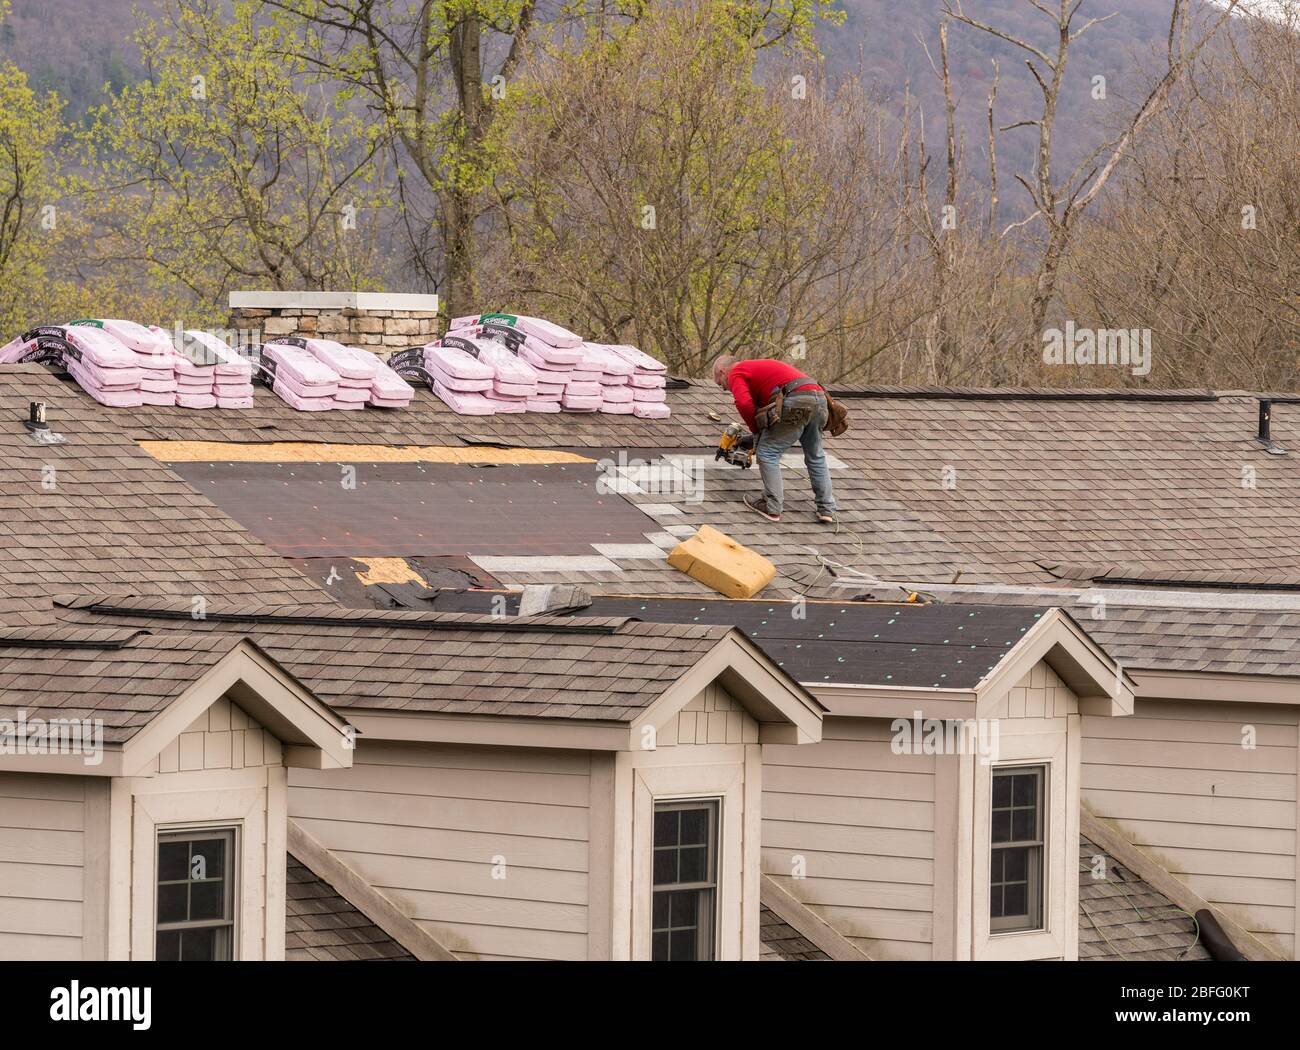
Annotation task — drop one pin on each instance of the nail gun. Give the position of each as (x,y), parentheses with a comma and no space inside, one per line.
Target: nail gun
(736,446)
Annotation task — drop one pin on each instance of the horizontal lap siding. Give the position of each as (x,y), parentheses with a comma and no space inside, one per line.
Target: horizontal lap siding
(1221,817)
(42,830)
(422,824)
(863,820)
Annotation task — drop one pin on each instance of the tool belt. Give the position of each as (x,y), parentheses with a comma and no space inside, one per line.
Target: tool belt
(837,416)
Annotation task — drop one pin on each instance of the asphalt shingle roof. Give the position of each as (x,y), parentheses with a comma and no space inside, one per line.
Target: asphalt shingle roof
(122,677)
(320,926)
(97,512)
(604,669)
(781,942)
(1121,918)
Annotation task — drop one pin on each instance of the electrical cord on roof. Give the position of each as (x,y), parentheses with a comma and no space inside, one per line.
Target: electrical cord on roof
(828,565)
(1173,910)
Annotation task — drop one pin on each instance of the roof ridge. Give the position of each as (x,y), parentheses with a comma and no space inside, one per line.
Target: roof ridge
(328,616)
(69,637)
(952,393)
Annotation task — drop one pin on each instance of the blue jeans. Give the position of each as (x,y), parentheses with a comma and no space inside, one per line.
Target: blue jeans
(802,417)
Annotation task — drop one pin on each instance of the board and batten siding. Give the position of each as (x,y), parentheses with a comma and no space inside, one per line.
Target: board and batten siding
(42,856)
(487,848)
(861,820)
(1217,815)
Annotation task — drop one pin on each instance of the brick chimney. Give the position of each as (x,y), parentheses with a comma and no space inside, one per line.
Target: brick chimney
(382,322)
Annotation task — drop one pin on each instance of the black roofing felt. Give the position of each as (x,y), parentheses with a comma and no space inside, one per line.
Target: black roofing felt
(304,510)
(846,643)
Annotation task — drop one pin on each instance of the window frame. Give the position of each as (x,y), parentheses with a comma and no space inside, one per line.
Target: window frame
(1034,920)
(230,875)
(708,934)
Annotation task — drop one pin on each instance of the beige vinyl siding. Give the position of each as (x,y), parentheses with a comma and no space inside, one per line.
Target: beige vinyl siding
(222,737)
(862,818)
(1219,816)
(713,717)
(42,852)
(430,825)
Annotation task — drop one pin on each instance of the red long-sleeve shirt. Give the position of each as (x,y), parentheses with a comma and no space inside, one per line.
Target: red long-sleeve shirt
(753,382)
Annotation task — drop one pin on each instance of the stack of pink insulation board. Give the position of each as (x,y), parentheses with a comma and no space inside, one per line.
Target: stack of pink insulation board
(361,377)
(203,358)
(572,374)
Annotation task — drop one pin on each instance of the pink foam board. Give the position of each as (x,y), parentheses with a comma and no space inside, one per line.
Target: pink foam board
(647,382)
(617,409)
(304,389)
(310,376)
(647,410)
(649,397)
(464,403)
(456,364)
(642,361)
(536,405)
(464,386)
(579,403)
(125,398)
(581,389)
(137,337)
(100,347)
(158,386)
(234,402)
(389,387)
(538,328)
(350,362)
(150,397)
(302,404)
(225,361)
(616,395)
(111,378)
(235,390)
(196,400)
(351,395)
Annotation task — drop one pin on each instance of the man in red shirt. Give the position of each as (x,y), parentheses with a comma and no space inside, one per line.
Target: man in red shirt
(803,417)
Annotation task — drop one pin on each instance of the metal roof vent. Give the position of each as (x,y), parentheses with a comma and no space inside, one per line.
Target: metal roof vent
(1263,435)
(38,429)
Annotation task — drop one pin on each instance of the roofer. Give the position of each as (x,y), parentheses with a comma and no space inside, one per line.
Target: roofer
(793,408)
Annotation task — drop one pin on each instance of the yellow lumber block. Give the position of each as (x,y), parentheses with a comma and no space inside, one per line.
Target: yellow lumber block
(716,560)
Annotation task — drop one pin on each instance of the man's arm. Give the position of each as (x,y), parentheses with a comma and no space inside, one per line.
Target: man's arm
(743,398)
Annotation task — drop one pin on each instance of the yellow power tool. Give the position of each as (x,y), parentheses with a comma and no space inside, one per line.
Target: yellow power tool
(736,446)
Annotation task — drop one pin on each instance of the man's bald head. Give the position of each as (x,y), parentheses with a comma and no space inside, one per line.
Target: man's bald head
(721,366)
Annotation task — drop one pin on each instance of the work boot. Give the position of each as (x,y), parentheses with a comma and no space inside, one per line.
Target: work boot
(759,504)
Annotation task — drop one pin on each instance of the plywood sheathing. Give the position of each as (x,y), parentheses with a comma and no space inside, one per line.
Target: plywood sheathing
(325,452)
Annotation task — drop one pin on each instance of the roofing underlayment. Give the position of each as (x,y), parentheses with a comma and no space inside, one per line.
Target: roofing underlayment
(940,646)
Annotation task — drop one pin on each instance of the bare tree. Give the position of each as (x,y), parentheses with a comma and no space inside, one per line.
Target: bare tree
(1060,203)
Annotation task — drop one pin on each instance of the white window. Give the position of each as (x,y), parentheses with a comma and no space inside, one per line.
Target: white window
(1017,849)
(196,895)
(684,909)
